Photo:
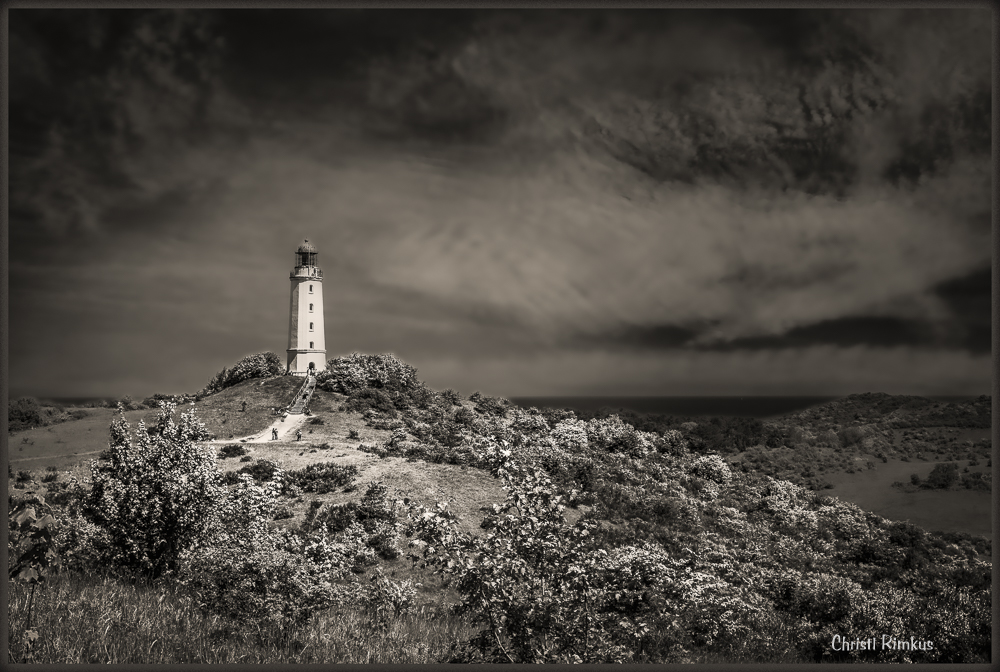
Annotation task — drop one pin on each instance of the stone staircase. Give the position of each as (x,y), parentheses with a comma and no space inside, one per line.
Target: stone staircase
(302,397)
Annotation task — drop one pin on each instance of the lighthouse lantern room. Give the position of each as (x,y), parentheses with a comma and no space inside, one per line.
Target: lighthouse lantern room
(306,340)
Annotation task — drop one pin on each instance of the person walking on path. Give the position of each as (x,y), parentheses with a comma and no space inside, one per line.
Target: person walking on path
(274,433)
(298,434)
(244,405)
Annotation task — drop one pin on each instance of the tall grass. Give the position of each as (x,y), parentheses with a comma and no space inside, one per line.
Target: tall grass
(105,619)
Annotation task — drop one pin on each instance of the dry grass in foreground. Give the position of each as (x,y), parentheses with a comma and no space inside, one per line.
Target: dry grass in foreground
(90,619)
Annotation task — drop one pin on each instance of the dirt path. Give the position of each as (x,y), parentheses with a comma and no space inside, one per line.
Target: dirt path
(286,427)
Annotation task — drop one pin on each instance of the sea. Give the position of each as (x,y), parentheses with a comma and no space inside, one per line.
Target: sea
(73,401)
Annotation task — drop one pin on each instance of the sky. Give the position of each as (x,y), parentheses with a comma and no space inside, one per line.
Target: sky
(523,203)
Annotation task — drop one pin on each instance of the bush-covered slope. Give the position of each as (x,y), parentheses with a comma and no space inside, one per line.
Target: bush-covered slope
(764,551)
(613,544)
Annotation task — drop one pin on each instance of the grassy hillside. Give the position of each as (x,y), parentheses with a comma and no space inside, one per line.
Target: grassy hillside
(455,529)
(81,433)
(68,443)
(223,414)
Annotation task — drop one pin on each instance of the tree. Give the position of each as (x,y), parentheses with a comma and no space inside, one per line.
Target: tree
(942,476)
(23,414)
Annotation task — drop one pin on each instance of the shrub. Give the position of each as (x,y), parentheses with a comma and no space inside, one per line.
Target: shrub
(494,406)
(942,476)
(322,477)
(129,405)
(335,518)
(24,413)
(371,398)
(449,397)
(539,588)
(612,435)
(713,468)
(260,471)
(464,416)
(357,371)
(353,434)
(570,435)
(253,575)
(850,436)
(387,599)
(156,494)
(232,450)
(373,521)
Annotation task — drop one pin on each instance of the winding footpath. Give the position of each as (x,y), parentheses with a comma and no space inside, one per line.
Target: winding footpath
(291,419)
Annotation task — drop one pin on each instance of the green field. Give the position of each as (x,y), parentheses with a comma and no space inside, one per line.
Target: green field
(67,444)
(937,510)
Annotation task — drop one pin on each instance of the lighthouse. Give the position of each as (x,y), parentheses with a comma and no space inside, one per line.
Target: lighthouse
(306,342)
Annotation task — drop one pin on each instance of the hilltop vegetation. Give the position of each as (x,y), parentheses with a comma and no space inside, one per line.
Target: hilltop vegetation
(843,436)
(897,411)
(613,543)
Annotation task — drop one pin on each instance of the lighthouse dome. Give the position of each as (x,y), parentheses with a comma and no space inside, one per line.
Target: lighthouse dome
(306,246)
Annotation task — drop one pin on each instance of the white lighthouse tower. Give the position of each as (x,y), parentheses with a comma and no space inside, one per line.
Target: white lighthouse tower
(306,340)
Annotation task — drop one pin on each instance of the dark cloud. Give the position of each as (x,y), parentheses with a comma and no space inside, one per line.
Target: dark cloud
(967,327)
(489,184)
(970,300)
(108,107)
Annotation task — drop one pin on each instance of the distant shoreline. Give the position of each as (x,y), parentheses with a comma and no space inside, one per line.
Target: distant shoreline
(764,406)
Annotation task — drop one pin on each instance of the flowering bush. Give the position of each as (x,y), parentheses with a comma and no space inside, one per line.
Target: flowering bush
(369,527)
(497,406)
(273,579)
(613,435)
(671,442)
(571,435)
(255,575)
(356,371)
(540,589)
(155,494)
(712,467)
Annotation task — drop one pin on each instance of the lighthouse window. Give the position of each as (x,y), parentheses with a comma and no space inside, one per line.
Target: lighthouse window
(310,289)
(310,345)
(310,326)
(310,307)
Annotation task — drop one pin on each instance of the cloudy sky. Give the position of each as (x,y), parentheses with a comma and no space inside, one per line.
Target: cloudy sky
(676,202)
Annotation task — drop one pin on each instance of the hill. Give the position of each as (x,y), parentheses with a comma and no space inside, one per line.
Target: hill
(550,538)
(896,411)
